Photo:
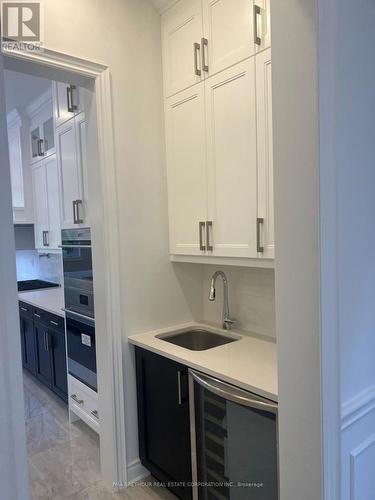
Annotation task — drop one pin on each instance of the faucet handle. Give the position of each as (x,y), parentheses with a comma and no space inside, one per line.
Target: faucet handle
(228,322)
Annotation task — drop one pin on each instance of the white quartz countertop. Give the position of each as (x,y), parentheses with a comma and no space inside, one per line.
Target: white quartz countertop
(249,363)
(50,299)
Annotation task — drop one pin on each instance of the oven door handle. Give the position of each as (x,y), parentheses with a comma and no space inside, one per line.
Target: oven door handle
(74,246)
(233,394)
(82,317)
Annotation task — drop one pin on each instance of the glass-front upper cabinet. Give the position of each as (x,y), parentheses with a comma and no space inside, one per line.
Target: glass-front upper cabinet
(42,128)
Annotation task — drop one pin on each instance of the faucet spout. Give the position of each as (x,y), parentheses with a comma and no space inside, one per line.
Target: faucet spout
(227,320)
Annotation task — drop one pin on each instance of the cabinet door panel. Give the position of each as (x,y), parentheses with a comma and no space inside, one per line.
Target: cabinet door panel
(43,355)
(59,372)
(265,152)
(232,160)
(68,172)
(164,419)
(61,103)
(28,344)
(181,27)
(186,157)
(16,167)
(40,203)
(53,192)
(82,165)
(229,28)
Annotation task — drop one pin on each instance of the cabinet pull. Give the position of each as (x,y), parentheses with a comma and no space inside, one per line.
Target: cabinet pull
(257,12)
(54,323)
(95,414)
(46,341)
(204,45)
(39,143)
(202,246)
(209,225)
(78,204)
(260,248)
(197,48)
(37,315)
(43,238)
(24,309)
(46,238)
(74,212)
(69,95)
(76,399)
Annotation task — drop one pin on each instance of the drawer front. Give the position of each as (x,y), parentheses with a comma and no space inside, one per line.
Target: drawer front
(83,398)
(55,322)
(40,316)
(25,309)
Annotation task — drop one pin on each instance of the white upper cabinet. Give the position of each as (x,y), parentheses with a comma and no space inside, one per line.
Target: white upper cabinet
(265,156)
(262,25)
(232,161)
(42,127)
(72,163)
(40,204)
(18,142)
(182,33)
(47,204)
(68,102)
(228,32)
(186,159)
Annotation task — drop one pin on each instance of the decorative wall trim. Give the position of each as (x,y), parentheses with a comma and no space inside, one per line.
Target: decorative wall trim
(354,459)
(358,407)
(14,119)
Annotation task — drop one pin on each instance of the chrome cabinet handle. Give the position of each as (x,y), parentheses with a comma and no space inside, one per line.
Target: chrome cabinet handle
(257,12)
(46,341)
(79,219)
(43,238)
(260,248)
(209,225)
(39,143)
(75,398)
(69,95)
(204,44)
(197,48)
(24,309)
(74,212)
(95,414)
(179,388)
(54,323)
(46,238)
(37,315)
(202,246)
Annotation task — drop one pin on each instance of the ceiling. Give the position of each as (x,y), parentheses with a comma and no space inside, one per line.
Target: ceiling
(21,89)
(161,4)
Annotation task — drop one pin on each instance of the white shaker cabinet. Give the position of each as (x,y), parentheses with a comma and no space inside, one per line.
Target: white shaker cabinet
(232,161)
(46,204)
(228,27)
(182,33)
(186,159)
(68,101)
(72,162)
(42,127)
(266,233)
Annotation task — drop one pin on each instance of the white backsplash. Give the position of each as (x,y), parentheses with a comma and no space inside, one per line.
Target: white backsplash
(31,265)
(251,298)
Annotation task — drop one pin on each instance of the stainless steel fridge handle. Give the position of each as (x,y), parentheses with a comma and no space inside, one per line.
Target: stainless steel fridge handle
(233,394)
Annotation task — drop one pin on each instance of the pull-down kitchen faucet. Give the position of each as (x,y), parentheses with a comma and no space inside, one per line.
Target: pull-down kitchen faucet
(227,320)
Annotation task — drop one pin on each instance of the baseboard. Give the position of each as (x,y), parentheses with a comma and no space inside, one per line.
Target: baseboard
(358,407)
(136,472)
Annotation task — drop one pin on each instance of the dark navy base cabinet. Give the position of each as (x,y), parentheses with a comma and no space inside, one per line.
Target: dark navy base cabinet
(43,348)
(164,424)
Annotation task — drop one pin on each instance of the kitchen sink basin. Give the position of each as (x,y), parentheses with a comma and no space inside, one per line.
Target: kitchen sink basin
(197,339)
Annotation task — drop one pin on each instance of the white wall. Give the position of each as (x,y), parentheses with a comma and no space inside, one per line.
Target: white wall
(355,151)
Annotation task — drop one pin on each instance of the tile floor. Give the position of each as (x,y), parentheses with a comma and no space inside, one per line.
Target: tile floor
(64,458)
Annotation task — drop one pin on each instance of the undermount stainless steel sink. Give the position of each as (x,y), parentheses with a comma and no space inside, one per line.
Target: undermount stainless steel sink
(197,339)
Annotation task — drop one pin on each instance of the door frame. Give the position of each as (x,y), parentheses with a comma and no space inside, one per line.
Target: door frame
(107,258)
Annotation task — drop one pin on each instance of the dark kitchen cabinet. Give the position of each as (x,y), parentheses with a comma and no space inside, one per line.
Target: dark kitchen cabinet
(43,348)
(43,354)
(27,338)
(59,379)
(164,424)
